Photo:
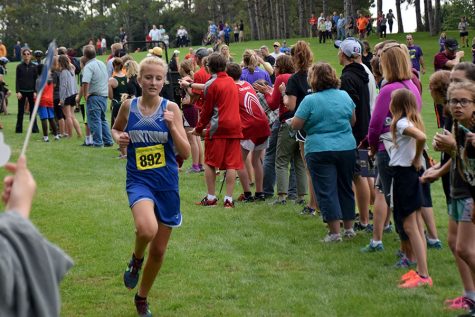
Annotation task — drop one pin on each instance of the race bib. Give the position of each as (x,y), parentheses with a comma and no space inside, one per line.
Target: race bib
(150,157)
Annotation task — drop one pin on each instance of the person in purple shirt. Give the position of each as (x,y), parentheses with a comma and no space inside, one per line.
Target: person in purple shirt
(251,72)
(397,74)
(415,53)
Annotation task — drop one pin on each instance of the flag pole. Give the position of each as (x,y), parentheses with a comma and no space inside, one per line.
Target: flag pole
(43,81)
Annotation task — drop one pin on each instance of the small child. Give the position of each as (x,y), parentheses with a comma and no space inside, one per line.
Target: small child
(442,39)
(407,131)
(46,111)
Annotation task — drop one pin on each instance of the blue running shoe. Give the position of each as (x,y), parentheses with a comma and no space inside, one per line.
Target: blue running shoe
(404,263)
(141,305)
(434,244)
(131,274)
(372,248)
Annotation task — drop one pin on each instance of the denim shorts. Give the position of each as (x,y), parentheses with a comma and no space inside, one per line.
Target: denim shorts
(460,210)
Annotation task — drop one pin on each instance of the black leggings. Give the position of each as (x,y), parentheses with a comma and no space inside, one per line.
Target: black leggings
(21,111)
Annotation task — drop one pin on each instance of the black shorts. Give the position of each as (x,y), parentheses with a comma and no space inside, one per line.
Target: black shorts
(464,33)
(407,196)
(58,111)
(70,101)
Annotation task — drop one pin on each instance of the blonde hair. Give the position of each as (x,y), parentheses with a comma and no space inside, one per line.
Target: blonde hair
(250,60)
(152,60)
(302,55)
(404,104)
(127,58)
(186,68)
(131,68)
(395,63)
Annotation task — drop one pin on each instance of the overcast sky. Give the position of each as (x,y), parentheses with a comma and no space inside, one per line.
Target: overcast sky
(408,12)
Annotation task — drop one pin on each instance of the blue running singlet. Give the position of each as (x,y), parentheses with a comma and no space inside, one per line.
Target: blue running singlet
(150,153)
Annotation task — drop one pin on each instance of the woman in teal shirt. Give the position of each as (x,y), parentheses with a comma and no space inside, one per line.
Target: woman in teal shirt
(327,116)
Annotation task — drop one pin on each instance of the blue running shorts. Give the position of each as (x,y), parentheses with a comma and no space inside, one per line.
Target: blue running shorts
(166,203)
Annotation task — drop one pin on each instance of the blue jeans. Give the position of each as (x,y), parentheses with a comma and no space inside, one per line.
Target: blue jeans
(97,122)
(332,175)
(269,165)
(341,34)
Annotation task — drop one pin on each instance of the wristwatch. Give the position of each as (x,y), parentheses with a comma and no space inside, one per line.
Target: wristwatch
(189,85)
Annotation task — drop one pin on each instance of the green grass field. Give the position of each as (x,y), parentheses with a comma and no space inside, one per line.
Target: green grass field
(254,260)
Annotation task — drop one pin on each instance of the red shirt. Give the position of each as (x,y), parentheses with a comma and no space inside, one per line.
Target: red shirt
(275,99)
(200,77)
(254,121)
(220,109)
(440,59)
(47,96)
(312,21)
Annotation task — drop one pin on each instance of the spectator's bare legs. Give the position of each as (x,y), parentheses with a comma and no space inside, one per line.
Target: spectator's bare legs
(362,198)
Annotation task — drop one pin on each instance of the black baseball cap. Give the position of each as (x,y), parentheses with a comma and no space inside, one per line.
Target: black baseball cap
(451,44)
(201,52)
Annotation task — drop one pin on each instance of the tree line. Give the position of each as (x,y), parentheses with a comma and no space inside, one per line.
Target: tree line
(74,22)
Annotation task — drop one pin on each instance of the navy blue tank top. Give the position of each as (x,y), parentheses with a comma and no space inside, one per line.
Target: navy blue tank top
(150,154)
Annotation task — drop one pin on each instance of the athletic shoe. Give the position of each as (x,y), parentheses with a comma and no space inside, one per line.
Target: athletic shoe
(416,281)
(45,139)
(308,211)
(404,263)
(193,170)
(131,274)
(437,244)
(228,204)
(409,275)
(400,254)
(299,201)
(142,307)
(372,248)
(207,203)
(357,226)
(260,197)
(332,238)
(248,199)
(349,234)
(279,201)
(388,229)
(57,137)
(458,303)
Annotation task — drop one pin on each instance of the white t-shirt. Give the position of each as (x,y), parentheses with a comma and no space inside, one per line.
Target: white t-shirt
(275,55)
(103,43)
(154,34)
(403,153)
(373,93)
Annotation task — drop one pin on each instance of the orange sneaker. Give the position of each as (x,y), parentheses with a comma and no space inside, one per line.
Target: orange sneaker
(416,281)
(409,275)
